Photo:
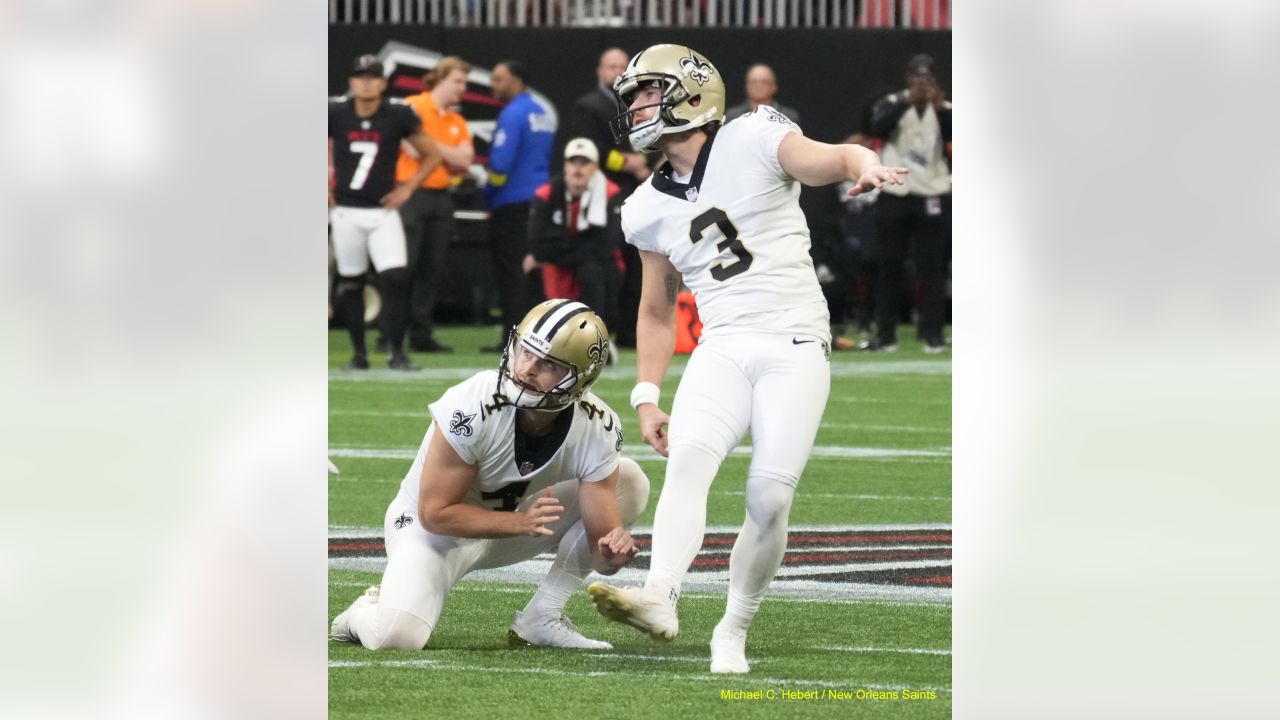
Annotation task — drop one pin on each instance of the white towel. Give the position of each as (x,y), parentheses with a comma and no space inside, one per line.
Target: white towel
(593,210)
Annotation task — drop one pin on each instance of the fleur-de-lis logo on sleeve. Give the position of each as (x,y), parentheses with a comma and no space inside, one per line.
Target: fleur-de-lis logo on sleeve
(461,424)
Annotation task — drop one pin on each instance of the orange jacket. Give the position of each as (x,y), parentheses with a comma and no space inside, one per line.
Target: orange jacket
(448,128)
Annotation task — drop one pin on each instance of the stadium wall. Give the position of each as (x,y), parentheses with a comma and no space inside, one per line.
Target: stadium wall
(827,75)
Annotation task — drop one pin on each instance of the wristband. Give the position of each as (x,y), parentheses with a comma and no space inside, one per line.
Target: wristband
(644,392)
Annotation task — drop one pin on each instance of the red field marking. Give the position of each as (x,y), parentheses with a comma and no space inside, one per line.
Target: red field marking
(938,580)
(355,547)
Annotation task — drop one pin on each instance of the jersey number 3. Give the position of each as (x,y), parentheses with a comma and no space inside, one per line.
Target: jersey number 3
(717,217)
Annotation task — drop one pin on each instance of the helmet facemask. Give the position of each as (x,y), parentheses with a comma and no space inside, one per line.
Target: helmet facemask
(565,333)
(645,136)
(692,95)
(521,394)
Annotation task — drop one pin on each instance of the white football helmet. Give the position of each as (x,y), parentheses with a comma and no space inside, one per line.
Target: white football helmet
(692,94)
(565,332)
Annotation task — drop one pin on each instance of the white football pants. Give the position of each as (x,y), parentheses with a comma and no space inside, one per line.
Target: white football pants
(774,386)
(363,233)
(422,567)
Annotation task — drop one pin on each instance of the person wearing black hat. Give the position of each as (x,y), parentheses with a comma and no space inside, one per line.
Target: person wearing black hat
(365,131)
(915,125)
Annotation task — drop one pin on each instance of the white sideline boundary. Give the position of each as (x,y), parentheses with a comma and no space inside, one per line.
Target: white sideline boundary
(910,651)
(679,677)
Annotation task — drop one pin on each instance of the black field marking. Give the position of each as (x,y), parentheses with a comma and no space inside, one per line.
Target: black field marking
(910,557)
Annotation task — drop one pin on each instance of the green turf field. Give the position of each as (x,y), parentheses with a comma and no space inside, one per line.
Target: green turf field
(882,458)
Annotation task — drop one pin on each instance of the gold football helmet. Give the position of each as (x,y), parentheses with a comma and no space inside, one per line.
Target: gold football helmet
(692,94)
(567,333)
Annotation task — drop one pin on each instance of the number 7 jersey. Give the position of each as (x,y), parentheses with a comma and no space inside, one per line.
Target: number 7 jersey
(365,150)
(735,232)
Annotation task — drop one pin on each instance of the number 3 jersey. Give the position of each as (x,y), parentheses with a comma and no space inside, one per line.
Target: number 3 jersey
(481,427)
(365,150)
(735,232)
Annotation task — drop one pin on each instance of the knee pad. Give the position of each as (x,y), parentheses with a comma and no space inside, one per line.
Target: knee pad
(633,490)
(769,496)
(353,284)
(398,630)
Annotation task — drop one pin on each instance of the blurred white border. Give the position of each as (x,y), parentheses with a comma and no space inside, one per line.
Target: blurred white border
(162,245)
(1115,244)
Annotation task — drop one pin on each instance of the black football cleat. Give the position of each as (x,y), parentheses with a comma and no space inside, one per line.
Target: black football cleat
(402,362)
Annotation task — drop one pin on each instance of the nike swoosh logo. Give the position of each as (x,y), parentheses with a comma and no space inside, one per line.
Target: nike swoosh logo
(800,342)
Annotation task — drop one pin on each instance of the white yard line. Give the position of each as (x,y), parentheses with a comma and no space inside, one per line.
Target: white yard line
(679,677)
(827,425)
(627,374)
(886,596)
(644,452)
(355,531)
(791,583)
(381,413)
(886,428)
(848,496)
(652,658)
(910,651)
(528,589)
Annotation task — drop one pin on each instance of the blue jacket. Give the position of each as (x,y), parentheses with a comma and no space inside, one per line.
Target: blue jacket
(520,154)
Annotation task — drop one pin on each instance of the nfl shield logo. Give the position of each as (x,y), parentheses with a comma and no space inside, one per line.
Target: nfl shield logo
(692,194)
(525,468)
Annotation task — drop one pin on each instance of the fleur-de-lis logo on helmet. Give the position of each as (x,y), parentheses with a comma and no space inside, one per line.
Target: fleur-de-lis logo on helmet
(599,349)
(696,69)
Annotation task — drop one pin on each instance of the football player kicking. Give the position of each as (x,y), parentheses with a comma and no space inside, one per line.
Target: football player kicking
(723,216)
(515,463)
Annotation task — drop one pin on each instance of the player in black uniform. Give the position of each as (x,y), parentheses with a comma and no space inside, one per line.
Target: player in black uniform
(365,131)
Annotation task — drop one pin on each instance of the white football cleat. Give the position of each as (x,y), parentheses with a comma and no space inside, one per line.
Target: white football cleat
(341,629)
(729,651)
(643,610)
(549,631)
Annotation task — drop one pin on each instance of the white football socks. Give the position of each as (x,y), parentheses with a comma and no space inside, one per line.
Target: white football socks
(570,569)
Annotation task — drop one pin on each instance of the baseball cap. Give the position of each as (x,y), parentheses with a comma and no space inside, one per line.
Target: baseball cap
(582,147)
(367,65)
(921,64)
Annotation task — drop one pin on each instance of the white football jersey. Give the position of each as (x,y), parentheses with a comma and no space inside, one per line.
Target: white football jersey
(480,426)
(736,232)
